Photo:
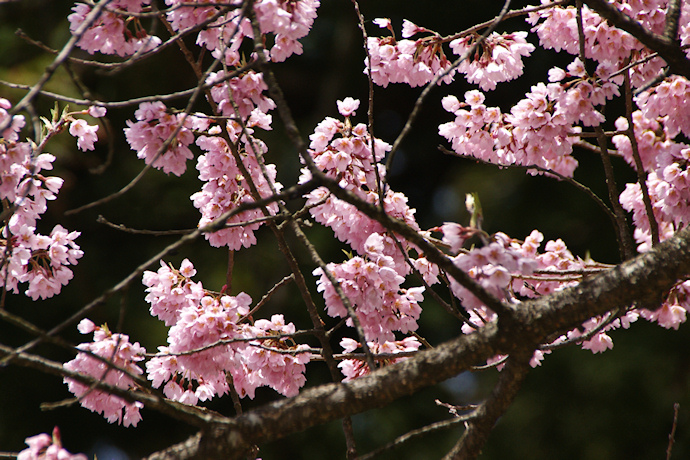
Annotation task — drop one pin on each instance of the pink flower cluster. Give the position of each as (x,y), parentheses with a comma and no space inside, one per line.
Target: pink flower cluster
(355,368)
(245,91)
(557,262)
(668,179)
(118,355)
(600,341)
(343,152)
(170,290)
(46,447)
(210,343)
(674,310)
(25,255)
(373,287)
(492,266)
(414,62)
(287,20)
(667,102)
(85,134)
(604,43)
(226,187)
(114,31)
(670,197)
(532,134)
(540,130)
(154,126)
(498,59)
(556,258)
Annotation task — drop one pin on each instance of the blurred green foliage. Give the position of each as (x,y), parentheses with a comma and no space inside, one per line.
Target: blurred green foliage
(618,405)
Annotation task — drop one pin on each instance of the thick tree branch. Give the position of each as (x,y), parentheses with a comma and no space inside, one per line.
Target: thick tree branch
(487,414)
(646,277)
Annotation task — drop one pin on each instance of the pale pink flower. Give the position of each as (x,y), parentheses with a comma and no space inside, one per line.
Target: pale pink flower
(347,106)
(85,134)
(45,447)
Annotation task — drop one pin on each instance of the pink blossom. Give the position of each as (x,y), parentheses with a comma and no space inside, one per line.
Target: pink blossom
(45,447)
(347,106)
(110,33)
(97,111)
(355,368)
(153,128)
(85,134)
(116,350)
(501,59)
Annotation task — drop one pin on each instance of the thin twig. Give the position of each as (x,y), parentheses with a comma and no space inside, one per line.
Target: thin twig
(672,435)
(639,168)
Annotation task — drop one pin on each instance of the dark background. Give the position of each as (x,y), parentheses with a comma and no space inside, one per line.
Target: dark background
(618,405)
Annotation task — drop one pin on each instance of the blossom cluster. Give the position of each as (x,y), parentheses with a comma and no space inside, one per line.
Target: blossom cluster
(226,187)
(492,267)
(245,92)
(28,256)
(343,152)
(46,447)
(288,21)
(373,287)
(414,62)
(154,127)
(498,59)
(108,359)
(114,31)
(212,343)
(355,368)
(609,46)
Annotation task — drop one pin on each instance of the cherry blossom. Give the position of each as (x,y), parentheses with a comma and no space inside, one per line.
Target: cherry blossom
(85,134)
(30,257)
(115,350)
(46,447)
(355,368)
(373,287)
(155,126)
(415,63)
(113,32)
(499,60)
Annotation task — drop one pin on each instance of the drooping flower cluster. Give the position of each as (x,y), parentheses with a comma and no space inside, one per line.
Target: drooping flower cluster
(604,43)
(492,267)
(664,158)
(244,92)
(27,256)
(344,153)
(226,187)
(287,20)
(114,31)
(540,130)
(414,62)
(210,343)
(498,59)
(532,134)
(355,368)
(170,290)
(154,127)
(668,102)
(373,287)
(46,447)
(117,355)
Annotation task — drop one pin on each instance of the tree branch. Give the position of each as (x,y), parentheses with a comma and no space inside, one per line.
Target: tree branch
(645,277)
